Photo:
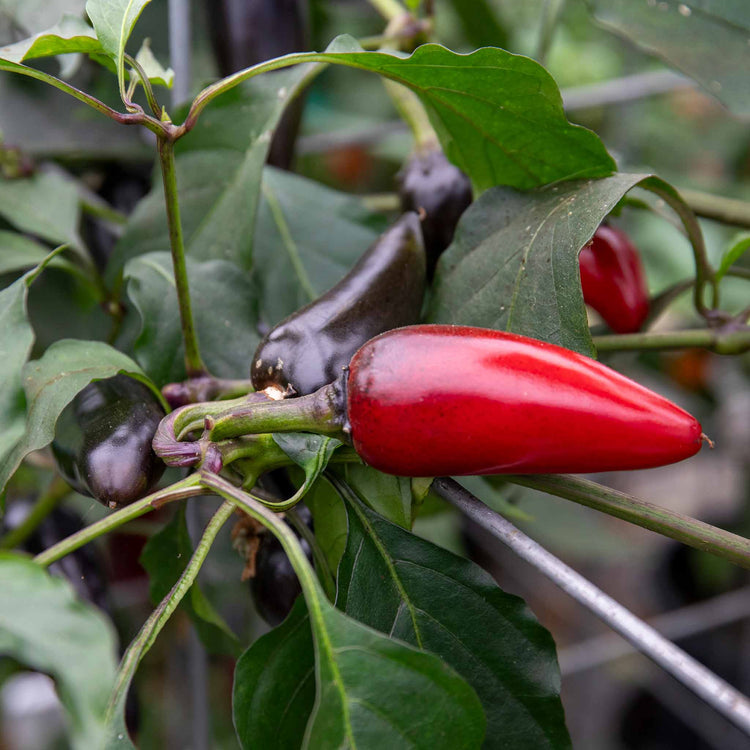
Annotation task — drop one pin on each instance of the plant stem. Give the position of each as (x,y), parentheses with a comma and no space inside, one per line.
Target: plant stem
(693,675)
(188,487)
(413,114)
(193,363)
(704,274)
(551,10)
(717,207)
(158,618)
(716,340)
(321,412)
(309,582)
(389,9)
(129,118)
(222,515)
(321,564)
(101,210)
(684,529)
(146,83)
(44,505)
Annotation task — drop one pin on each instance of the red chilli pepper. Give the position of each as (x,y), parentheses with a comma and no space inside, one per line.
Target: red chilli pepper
(450,400)
(613,281)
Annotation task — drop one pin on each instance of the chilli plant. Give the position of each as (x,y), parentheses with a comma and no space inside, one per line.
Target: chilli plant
(314,363)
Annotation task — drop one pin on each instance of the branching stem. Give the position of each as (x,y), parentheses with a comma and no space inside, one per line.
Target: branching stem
(193,362)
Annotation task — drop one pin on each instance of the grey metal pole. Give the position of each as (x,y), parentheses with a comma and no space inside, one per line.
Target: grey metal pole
(180,49)
(712,689)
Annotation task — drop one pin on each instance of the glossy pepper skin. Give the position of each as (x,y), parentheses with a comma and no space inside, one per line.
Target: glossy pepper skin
(430,183)
(451,400)
(383,290)
(275,586)
(613,281)
(103,440)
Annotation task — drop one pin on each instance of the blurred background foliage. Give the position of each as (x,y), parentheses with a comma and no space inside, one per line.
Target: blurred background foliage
(351,140)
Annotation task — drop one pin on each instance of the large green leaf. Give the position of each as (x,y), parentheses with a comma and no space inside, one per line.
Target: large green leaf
(16,340)
(72,34)
(371,691)
(513,264)
(219,166)
(224,310)
(707,39)
(43,626)
(274,685)
(407,587)
(499,116)
(306,238)
(45,205)
(114,21)
(164,558)
(52,382)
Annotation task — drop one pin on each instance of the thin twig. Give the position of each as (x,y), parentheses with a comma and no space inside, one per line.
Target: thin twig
(389,9)
(146,83)
(727,210)
(129,118)
(188,487)
(667,522)
(716,340)
(704,683)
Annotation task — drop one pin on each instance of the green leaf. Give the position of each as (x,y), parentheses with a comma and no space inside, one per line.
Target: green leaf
(46,628)
(18,252)
(372,692)
(16,340)
(369,688)
(513,264)
(224,310)
(329,520)
(499,116)
(706,39)
(45,204)
(165,558)
(71,35)
(153,69)
(307,238)
(219,166)
(53,381)
(274,685)
(387,495)
(310,452)
(734,252)
(36,15)
(407,587)
(114,21)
